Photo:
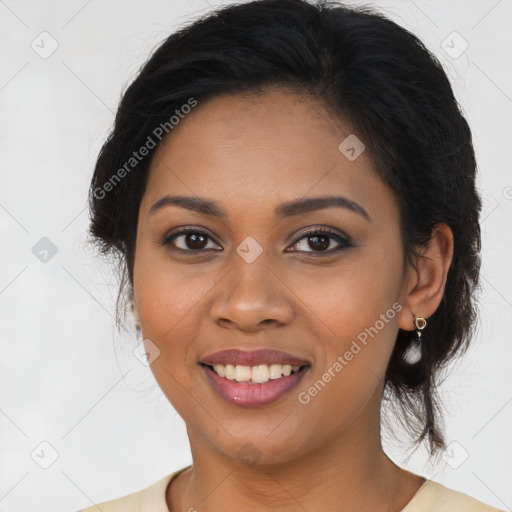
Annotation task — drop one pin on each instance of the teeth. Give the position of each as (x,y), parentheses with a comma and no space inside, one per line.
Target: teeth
(220,369)
(275,371)
(287,369)
(260,373)
(242,373)
(229,371)
(254,374)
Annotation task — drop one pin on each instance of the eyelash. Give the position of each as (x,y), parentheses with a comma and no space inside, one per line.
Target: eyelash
(344,242)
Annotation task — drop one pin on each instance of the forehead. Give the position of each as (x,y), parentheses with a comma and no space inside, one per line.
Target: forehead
(251,150)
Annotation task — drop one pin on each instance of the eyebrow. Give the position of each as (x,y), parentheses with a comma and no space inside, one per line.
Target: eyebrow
(288,209)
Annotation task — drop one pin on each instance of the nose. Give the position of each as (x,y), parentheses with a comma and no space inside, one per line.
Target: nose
(252,297)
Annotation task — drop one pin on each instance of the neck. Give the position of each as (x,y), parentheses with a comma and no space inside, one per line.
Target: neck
(349,471)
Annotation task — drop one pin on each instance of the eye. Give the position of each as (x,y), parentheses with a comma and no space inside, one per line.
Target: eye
(189,240)
(320,241)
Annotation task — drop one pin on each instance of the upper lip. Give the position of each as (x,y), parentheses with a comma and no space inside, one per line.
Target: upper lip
(253,357)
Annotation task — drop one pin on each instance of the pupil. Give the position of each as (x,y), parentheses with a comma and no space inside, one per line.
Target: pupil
(322,242)
(196,241)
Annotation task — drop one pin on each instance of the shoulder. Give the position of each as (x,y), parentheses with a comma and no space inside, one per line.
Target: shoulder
(435,497)
(150,499)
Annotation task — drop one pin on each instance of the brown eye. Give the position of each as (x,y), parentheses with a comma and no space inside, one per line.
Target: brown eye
(321,241)
(195,241)
(190,240)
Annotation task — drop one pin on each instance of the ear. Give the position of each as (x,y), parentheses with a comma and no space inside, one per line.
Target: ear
(424,285)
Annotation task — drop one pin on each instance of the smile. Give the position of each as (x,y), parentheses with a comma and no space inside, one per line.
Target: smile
(253,378)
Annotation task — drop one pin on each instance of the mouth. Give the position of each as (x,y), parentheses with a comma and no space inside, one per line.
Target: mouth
(253,378)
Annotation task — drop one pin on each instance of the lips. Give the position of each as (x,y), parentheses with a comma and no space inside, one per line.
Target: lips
(252,394)
(253,358)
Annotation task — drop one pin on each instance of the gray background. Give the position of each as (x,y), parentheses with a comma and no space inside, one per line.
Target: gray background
(63,382)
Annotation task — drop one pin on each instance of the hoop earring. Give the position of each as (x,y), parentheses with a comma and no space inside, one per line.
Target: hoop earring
(414,351)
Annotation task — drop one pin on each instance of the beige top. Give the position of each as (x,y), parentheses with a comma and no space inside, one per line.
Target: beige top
(430,497)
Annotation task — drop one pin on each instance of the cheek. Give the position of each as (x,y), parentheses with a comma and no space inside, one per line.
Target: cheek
(166,292)
(358,303)
(351,296)
(169,299)
(351,372)
(168,303)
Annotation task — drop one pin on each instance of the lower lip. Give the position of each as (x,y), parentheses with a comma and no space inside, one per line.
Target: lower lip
(253,395)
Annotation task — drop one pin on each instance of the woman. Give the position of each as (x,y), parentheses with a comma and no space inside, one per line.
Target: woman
(291,191)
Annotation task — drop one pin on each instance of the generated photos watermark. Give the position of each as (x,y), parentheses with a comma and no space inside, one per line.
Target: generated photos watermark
(305,397)
(158,133)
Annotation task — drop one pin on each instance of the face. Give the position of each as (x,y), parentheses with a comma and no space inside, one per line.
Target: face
(321,284)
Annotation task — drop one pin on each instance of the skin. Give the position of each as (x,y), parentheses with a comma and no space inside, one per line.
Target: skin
(250,153)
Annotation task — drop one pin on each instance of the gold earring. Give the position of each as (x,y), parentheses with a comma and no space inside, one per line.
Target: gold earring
(420,324)
(413,352)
